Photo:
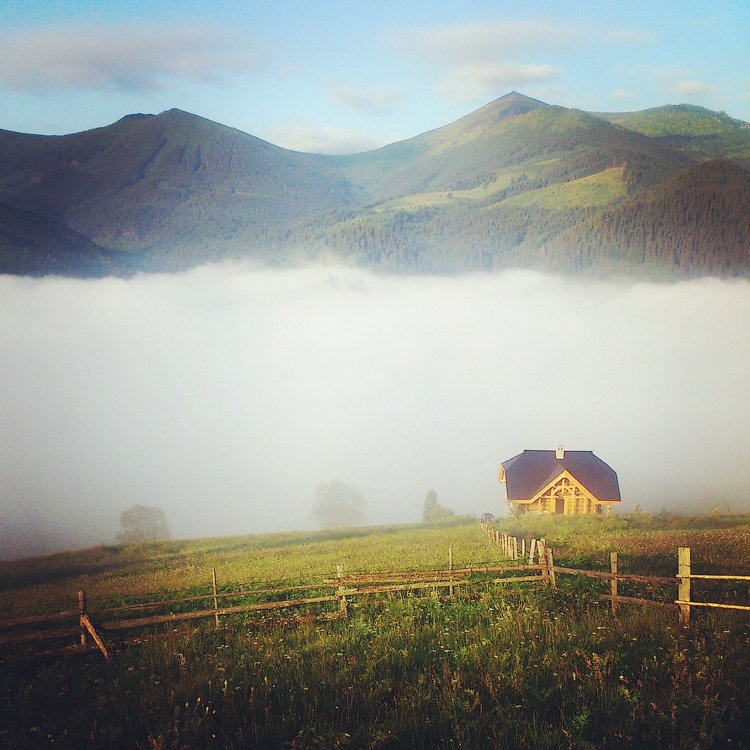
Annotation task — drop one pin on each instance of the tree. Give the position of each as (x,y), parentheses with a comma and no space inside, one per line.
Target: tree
(338,504)
(432,510)
(430,505)
(142,523)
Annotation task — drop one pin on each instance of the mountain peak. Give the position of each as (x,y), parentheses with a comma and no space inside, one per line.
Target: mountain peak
(504,108)
(515,103)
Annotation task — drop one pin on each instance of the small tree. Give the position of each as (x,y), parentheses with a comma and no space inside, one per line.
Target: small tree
(432,510)
(430,505)
(338,504)
(142,523)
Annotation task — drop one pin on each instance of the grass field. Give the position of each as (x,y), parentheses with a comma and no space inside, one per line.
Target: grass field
(594,191)
(492,667)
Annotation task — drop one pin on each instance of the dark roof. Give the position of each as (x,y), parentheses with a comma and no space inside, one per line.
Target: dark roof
(529,472)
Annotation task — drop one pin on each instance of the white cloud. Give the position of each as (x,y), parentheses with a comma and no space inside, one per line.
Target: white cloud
(473,43)
(121,57)
(309,138)
(690,89)
(375,100)
(679,82)
(623,95)
(481,60)
(477,81)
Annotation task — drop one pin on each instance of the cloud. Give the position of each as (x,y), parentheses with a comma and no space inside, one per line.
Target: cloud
(447,46)
(677,81)
(690,89)
(479,80)
(375,100)
(624,95)
(481,60)
(121,57)
(309,138)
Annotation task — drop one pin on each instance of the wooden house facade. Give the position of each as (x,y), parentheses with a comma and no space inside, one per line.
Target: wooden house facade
(559,482)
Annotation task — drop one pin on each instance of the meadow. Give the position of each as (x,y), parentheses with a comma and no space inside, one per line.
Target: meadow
(520,666)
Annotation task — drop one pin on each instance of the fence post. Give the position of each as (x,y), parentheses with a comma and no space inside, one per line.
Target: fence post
(343,606)
(82,614)
(541,547)
(532,548)
(613,582)
(450,568)
(216,599)
(551,567)
(683,593)
(515,548)
(523,548)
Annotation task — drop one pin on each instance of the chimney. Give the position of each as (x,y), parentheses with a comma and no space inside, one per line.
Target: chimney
(560,453)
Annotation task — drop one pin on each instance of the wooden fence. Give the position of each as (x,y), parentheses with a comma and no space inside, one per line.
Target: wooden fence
(90,627)
(511,545)
(94,628)
(109,620)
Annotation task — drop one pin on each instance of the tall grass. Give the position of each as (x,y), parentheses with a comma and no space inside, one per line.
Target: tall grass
(510,670)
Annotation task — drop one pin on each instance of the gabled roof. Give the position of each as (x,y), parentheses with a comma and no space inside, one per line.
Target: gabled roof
(531,471)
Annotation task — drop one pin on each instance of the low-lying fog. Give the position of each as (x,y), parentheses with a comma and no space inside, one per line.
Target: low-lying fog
(225,395)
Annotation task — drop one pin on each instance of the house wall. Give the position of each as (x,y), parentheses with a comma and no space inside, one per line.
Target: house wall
(564,497)
(575,507)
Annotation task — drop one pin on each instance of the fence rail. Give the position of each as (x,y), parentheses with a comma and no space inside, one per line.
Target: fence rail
(683,603)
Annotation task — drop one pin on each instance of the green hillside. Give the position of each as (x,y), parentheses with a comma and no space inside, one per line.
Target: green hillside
(509,185)
(680,119)
(696,131)
(593,191)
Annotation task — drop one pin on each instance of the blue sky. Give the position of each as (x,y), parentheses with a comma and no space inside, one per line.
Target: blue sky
(343,76)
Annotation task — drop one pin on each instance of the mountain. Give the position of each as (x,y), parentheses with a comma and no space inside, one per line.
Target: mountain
(508,137)
(692,130)
(168,185)
(517,183)
(35,245)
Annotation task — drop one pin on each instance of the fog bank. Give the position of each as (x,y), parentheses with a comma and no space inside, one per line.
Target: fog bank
(225,395)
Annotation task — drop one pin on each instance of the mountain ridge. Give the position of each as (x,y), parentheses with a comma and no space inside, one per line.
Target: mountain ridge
(507,185)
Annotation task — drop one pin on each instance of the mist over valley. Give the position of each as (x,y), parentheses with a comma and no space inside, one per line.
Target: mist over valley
(224,395)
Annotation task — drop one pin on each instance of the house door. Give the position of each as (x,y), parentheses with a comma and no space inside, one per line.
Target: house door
(559,505)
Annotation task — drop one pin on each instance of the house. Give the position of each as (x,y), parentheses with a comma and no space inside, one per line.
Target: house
(559,482)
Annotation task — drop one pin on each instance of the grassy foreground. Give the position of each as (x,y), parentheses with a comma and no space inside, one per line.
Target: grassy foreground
(491,668)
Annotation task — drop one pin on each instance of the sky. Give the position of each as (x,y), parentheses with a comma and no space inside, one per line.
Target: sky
(340,76)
